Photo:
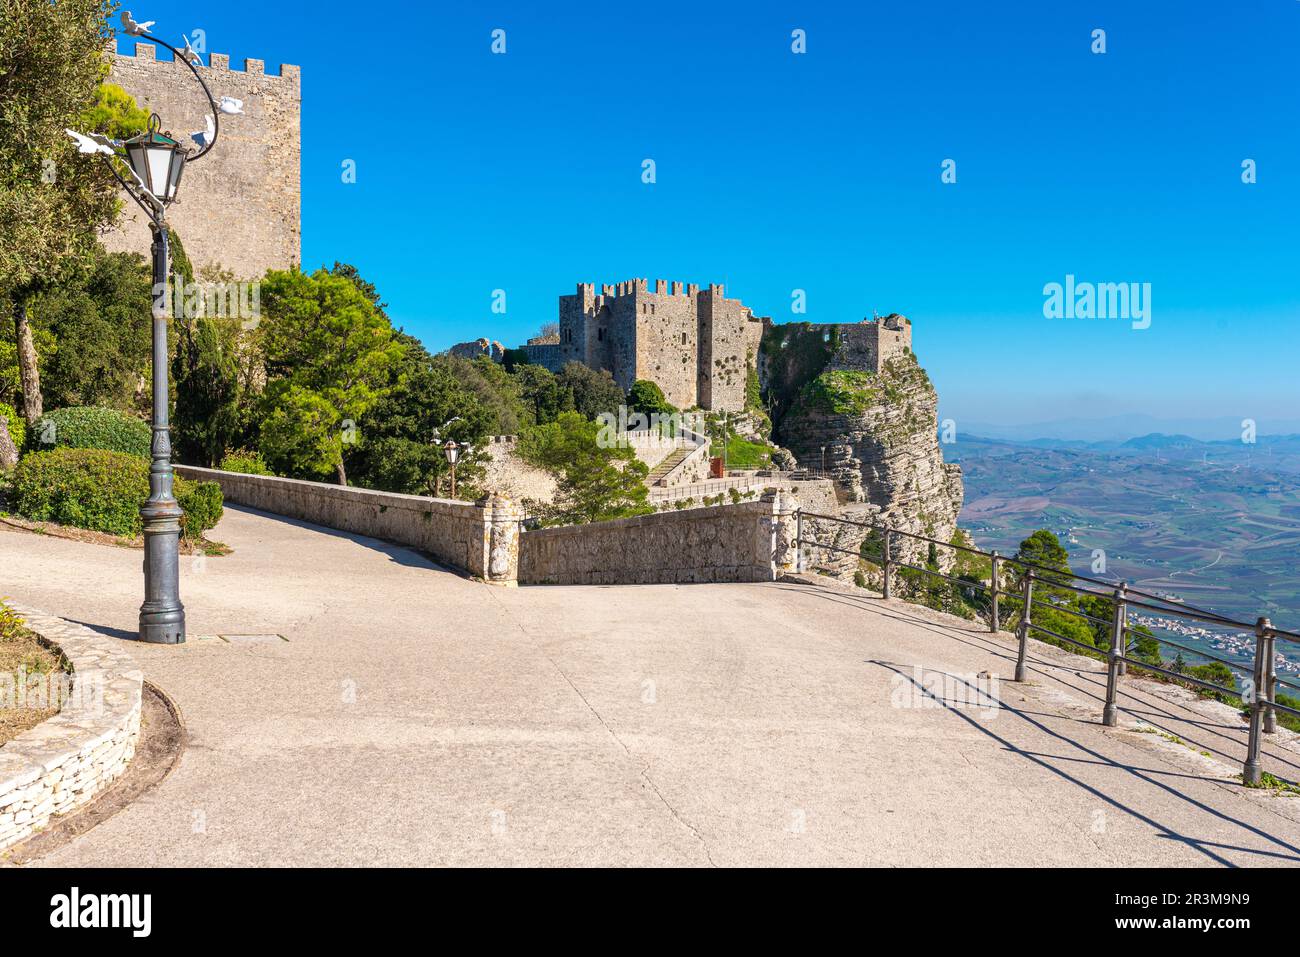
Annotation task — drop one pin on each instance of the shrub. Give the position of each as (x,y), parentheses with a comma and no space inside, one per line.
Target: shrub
(102,491)
(245,462)
(17,425)
(202,503)
(82,427)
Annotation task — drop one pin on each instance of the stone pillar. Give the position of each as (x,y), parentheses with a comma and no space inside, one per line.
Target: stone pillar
(779,531)
(501,525)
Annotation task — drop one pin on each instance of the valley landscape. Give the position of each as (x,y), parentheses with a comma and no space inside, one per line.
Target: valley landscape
(1215,523)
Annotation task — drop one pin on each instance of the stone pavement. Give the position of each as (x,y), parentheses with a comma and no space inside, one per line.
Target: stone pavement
(416,717)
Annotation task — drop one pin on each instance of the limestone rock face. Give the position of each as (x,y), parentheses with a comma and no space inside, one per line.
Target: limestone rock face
(880,436)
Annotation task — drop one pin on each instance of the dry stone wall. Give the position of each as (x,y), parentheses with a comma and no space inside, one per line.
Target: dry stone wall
(64,762)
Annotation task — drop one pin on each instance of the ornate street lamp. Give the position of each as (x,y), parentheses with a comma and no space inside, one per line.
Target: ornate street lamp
(155,162)
(452,451)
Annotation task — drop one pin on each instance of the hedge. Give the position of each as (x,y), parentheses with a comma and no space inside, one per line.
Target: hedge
(84,427)
(103,491)
(17,425)
(245,462)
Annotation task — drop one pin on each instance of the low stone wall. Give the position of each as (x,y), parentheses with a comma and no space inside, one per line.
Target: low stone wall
(64,762)
(814,495)
(480,538)
(749,542)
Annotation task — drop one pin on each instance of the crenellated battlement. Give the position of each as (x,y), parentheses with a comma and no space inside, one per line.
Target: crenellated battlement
(240,208)
(217,62)
(693,342)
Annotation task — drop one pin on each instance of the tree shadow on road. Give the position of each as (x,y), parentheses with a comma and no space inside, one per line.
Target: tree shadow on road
(398,554)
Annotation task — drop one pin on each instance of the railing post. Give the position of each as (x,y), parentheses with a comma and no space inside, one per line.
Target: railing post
(1250,773)
(1028,598)
(1115,660)
(889,561)
(1270,674)
(1123,638)
(798,540)
(993,591)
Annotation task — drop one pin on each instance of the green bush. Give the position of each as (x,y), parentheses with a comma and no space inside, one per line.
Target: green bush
(17,425)
(103,491)
(202,503)
(245,462)
(81,427)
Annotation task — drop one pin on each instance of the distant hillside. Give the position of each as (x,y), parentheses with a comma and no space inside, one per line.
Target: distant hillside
(1120,428)
(1215,522)
(1270,452)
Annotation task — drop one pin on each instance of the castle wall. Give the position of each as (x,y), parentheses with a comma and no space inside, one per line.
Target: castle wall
(667,340)
(239,206)
(869,344)
(549,355)
(694,344)
(730,335)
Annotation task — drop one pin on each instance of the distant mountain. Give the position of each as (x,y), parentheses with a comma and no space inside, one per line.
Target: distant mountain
(1121,428)
(1278,453)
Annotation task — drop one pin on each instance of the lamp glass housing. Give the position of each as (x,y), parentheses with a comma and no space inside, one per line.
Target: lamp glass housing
(158,160)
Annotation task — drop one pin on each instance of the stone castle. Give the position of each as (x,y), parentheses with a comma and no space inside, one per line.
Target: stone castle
(240,207)
(694,343)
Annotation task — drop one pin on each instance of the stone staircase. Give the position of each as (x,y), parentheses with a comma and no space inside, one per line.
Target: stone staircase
(674,459)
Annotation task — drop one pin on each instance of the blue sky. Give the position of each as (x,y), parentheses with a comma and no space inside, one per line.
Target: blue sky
(821,172)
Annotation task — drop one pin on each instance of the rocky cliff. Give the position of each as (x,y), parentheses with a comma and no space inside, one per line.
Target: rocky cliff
(876,420)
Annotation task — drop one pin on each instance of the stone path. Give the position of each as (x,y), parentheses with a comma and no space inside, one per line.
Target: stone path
(416,717)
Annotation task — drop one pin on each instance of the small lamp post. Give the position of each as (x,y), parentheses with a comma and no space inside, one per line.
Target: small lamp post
(155,162)
(452,451)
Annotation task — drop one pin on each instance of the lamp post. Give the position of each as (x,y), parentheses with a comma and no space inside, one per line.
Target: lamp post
(155,162)
(452,451)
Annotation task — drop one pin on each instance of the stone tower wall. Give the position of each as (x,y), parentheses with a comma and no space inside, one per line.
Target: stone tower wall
(730,336)
(869,344)
(667,339)
(239,206)
(694,344)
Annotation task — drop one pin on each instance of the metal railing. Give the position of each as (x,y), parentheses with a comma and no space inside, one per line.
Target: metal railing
(1259,685)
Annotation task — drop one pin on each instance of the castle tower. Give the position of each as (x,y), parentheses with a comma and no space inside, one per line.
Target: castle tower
(241,206)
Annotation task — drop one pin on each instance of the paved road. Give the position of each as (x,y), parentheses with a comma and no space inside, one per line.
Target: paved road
(416,717)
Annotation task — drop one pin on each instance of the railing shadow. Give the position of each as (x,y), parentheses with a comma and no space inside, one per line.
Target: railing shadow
(1289,852)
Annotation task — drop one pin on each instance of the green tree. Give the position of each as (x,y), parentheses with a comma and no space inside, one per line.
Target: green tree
(594,484)
(329,354)
(1044,548)
(396,452)
(541,393)
(494,388)
(113,112)
(206,374)
(593,391)
(96,333)
(51,198)
(368,288)
(646,397)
